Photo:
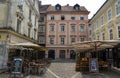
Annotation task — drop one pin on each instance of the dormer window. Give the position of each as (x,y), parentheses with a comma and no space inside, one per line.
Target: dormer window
(77,7)
(58,7)
(62,17)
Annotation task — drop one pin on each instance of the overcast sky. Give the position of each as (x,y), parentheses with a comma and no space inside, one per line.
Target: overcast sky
(91,5)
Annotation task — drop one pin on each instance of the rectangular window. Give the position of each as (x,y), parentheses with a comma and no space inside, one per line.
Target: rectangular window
(52,17)
(29,31)
(51,40)
(111,34)
(51,28)
(118,7)
(118,30)
(35,21)
(81,17)
(18,26)
(62,28)
(62,17)
(97,36)
(42,40)
(109,14)
(30,14)
(62,40)
(42,29)
(102,20)
(103,36)
(72,18)
(96,24)
(82,39)
(35,33)
(72,39)
(82,28)
(41,18)
(72,28)
(20,4)
(90,32)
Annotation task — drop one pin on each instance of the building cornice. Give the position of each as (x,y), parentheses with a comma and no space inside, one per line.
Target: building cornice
(68,12)
(17,34)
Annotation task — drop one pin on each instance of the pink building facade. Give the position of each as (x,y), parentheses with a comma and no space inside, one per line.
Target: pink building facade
(65,25)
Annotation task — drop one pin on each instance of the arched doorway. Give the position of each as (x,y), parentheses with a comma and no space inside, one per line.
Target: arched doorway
(51,54)
(72,54)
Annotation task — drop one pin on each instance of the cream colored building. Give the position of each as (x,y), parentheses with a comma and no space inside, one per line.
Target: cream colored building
(105,25)
(18,21)
(65,25)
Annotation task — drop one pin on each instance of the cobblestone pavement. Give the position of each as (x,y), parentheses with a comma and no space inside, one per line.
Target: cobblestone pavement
(67,70)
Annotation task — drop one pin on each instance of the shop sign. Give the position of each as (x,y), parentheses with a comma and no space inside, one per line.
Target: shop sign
(17,66)
(94,65)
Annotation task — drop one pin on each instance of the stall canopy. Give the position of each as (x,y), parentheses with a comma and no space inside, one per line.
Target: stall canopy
(95,45)
(29,45)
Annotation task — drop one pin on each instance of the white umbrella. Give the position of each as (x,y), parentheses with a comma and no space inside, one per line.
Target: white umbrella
(29,45)
(95,45)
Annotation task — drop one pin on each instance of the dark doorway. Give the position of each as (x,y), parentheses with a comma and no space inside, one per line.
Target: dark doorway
(41,55)
(62,54)
(72,54)
(51,54)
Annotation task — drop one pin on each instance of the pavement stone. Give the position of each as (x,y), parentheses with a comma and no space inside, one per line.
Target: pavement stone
(67,70)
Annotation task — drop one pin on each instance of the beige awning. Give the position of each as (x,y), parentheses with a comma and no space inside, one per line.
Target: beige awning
(29,45)
(95,45)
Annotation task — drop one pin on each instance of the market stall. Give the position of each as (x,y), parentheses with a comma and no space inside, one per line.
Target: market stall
(88,55)
(29,54)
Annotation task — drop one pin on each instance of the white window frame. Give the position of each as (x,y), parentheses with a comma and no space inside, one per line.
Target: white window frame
(42,40)
(117,1)
(72,28)
(62,40)
(52,28)
(51,40)
(42,29)
(82,17)
(118,34)
(103,37)
(73,39)
(82,30)
(97,36)
(109,17)
(110,33)
(20,2)
(96,24)
(102,20)
(72,17)
(82,39)
(62,28)
(52,17)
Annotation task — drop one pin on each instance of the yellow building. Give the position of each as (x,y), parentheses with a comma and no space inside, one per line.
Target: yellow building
(105,25)
(106,22)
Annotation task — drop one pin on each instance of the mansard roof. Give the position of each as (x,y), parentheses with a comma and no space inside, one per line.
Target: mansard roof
(67,8)
(43,8)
